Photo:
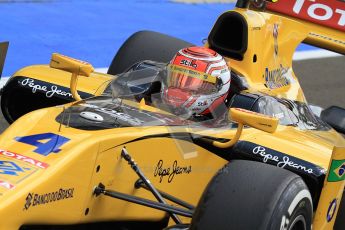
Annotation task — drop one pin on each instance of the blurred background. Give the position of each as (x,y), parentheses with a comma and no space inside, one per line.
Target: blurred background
(93,30)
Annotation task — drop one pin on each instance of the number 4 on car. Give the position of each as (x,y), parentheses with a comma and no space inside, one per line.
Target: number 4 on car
(46,143)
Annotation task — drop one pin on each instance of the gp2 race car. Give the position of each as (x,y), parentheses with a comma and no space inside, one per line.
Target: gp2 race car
(87,150)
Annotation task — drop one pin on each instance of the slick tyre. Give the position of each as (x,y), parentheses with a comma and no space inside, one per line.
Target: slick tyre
(145,45)
(252,195)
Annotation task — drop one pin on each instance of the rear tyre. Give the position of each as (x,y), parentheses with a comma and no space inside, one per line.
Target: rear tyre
(146,45)
(252,195)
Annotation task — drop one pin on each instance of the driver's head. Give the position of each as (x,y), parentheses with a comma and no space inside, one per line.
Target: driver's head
(198,81)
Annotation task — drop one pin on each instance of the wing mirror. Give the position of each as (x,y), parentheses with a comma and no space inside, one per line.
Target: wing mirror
(245,117)
(74,66)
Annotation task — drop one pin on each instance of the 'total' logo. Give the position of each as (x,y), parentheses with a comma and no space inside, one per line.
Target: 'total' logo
(330,13)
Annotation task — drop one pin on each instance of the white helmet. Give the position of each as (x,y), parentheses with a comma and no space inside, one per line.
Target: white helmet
(198,79)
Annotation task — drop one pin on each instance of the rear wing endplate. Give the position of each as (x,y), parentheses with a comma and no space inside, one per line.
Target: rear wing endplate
(325,20)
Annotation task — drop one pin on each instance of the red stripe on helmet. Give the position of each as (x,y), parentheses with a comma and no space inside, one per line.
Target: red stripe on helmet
(215,104)
(189,104)
(199,52)
(190,63)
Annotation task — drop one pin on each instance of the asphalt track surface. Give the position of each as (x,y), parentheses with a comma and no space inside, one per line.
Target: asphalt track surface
(321,79)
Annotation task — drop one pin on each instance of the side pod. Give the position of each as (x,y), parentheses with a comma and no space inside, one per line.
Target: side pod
(332,191)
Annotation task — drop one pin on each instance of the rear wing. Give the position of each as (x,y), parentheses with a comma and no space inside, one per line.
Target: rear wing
(325,20)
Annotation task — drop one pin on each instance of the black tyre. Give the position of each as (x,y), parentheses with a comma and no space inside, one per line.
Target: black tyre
(145,45)
(252,195)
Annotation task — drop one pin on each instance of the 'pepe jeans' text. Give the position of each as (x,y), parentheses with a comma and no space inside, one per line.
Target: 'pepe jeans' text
(170,172)
(281,162)
(49,92)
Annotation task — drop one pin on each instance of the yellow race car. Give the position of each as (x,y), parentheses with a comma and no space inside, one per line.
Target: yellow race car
(87,150)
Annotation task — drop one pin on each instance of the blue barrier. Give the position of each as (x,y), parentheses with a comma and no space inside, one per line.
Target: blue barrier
(94,30)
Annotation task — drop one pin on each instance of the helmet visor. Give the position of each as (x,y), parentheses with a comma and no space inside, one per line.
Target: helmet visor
(192,81)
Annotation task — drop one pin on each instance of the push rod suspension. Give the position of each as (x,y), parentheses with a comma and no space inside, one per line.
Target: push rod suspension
(125,155)
(140,184)
(100,189)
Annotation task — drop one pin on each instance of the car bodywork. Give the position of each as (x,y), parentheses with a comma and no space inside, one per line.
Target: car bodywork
(50,168)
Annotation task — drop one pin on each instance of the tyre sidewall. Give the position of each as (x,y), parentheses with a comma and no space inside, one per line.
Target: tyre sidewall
(295,201)
(252,195)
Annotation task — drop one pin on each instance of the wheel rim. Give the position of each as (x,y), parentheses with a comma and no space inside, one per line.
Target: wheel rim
(298,223)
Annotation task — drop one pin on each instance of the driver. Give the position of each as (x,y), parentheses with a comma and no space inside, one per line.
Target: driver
(197,81)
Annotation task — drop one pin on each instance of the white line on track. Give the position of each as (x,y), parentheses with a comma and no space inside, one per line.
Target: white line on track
(314,54)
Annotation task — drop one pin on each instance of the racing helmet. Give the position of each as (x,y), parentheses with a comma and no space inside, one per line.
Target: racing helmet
(197,81)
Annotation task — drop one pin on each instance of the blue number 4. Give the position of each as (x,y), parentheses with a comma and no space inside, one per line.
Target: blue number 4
(46,143)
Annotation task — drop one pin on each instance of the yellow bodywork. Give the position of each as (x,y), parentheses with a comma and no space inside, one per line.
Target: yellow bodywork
(93,157)
(95,85)
(76,168)
(58,188)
